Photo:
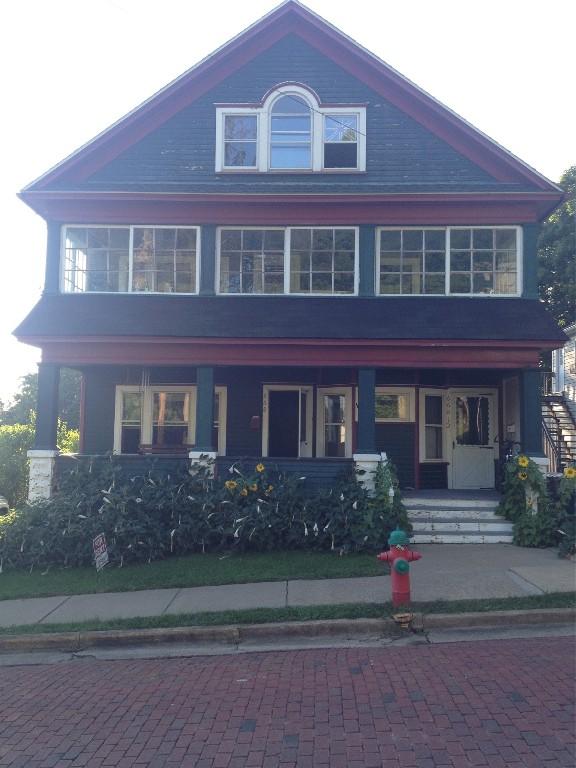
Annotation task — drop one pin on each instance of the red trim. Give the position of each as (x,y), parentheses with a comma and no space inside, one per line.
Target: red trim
(294,18)
(288,352)
(421,209)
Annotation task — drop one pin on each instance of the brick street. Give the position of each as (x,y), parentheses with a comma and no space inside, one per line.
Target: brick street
(490,703)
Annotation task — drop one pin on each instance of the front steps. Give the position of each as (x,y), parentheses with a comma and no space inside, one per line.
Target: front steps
(453,517)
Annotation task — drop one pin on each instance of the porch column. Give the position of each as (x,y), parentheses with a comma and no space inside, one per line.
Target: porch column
(204,446)
(366,459)
(531,417)
(43,456)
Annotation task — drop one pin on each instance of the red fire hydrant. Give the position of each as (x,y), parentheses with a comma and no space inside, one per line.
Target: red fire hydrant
(399,556)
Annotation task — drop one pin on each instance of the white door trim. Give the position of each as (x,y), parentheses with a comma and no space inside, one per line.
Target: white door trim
(347,393)
(305,448)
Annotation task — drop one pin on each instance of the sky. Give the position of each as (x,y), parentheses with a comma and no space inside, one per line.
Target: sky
(70,68)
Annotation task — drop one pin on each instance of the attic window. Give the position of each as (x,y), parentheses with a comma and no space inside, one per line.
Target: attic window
(290,131)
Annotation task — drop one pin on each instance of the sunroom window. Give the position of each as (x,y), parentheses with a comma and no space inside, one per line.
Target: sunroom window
(130,259)
(452,260)
(305,260)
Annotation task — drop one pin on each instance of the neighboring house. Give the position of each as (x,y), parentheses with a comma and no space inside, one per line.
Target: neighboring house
(293,252)
(564,368)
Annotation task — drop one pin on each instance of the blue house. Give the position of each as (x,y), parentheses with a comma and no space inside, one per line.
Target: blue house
(293,252)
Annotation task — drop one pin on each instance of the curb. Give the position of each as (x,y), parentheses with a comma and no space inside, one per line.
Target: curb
(236,634)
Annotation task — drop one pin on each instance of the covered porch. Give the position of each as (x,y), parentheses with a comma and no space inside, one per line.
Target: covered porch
(441,428)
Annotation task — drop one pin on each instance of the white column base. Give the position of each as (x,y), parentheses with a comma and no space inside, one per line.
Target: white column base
(41,474)
(367,464)
(541,462)
(203,459)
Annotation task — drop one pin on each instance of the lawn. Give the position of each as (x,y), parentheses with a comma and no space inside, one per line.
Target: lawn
(191,571)
(306,613)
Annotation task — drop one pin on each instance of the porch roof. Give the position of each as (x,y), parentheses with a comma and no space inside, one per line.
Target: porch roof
(57,316)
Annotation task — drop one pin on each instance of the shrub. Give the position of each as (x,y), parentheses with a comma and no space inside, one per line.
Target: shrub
(553,521)
(15,442)
(150,514)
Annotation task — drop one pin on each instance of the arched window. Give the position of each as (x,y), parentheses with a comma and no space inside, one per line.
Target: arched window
(290,133)
(291,130)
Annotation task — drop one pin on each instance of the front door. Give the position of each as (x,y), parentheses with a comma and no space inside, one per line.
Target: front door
(287,431)
(473,419)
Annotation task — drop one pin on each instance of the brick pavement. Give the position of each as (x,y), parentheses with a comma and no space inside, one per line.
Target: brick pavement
(488,703)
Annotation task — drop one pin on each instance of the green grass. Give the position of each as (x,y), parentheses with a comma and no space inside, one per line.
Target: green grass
(192,571)
(309,613)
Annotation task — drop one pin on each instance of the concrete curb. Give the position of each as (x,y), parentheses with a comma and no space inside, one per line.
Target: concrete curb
(233,635)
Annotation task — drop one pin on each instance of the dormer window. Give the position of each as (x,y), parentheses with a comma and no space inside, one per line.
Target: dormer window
(290,131)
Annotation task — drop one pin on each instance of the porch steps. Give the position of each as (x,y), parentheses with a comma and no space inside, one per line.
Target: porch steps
(446,518)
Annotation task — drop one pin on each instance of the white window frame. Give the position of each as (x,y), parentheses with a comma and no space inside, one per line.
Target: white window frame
(409,393)
(264,123)
(422,425)
(346,392)
(146,424)
(287,239)
(448,230)
(130,228)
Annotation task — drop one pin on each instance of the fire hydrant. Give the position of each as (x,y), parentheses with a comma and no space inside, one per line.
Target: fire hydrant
(399,556)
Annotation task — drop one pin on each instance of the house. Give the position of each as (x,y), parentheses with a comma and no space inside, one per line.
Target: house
(293,252)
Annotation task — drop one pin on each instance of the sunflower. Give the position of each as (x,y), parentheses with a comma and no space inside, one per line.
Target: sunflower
(231,485)
(523,475)
(260,467)
(523,461)
(244,492)
(570,472)
(254,487)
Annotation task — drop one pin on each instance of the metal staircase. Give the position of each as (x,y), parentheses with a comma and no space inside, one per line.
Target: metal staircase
(559,428)
(456,517)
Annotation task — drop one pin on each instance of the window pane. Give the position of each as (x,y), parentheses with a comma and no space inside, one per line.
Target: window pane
(231,239)
(286,126)
(345,239)
(435,283)
(482,238)
(460,238)
(131,405)
(343,282)
(459,283)
(390,240)
(240,154)
(392,407)
(389,284)
(412,239)
(290,105)
(340,156)
(435,262)
(505,238)
(322,239)
(290,157)
(435,239)
(483,282)
(472,420)
(433,438)
(240,127)
(340,128)
(482,261)
(460,260)
(433,409)
(322,282)
(300,239)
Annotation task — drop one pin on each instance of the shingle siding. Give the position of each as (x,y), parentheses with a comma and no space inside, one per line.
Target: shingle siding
(401,153)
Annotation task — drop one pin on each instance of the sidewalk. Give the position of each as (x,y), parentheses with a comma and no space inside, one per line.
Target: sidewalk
(446,572)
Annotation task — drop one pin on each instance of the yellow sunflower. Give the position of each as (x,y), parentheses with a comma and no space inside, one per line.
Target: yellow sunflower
(570,472)
(231,485)
(523,461)
(523,475)
(260,467)
(254,487)
(244,492)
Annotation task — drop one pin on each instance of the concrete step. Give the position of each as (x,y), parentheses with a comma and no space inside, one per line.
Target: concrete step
(454,512)
(461,526)
(458,538)
(456,503)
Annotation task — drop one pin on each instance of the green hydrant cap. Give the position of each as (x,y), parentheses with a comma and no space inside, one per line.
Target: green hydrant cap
(401,566)
(398,537)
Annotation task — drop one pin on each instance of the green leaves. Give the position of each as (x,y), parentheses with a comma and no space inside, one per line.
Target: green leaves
(151,514)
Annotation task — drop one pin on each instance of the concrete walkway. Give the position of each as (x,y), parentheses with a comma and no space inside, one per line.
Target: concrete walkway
(446,572)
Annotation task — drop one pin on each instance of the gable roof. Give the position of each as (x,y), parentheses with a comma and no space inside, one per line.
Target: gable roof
(293,17)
